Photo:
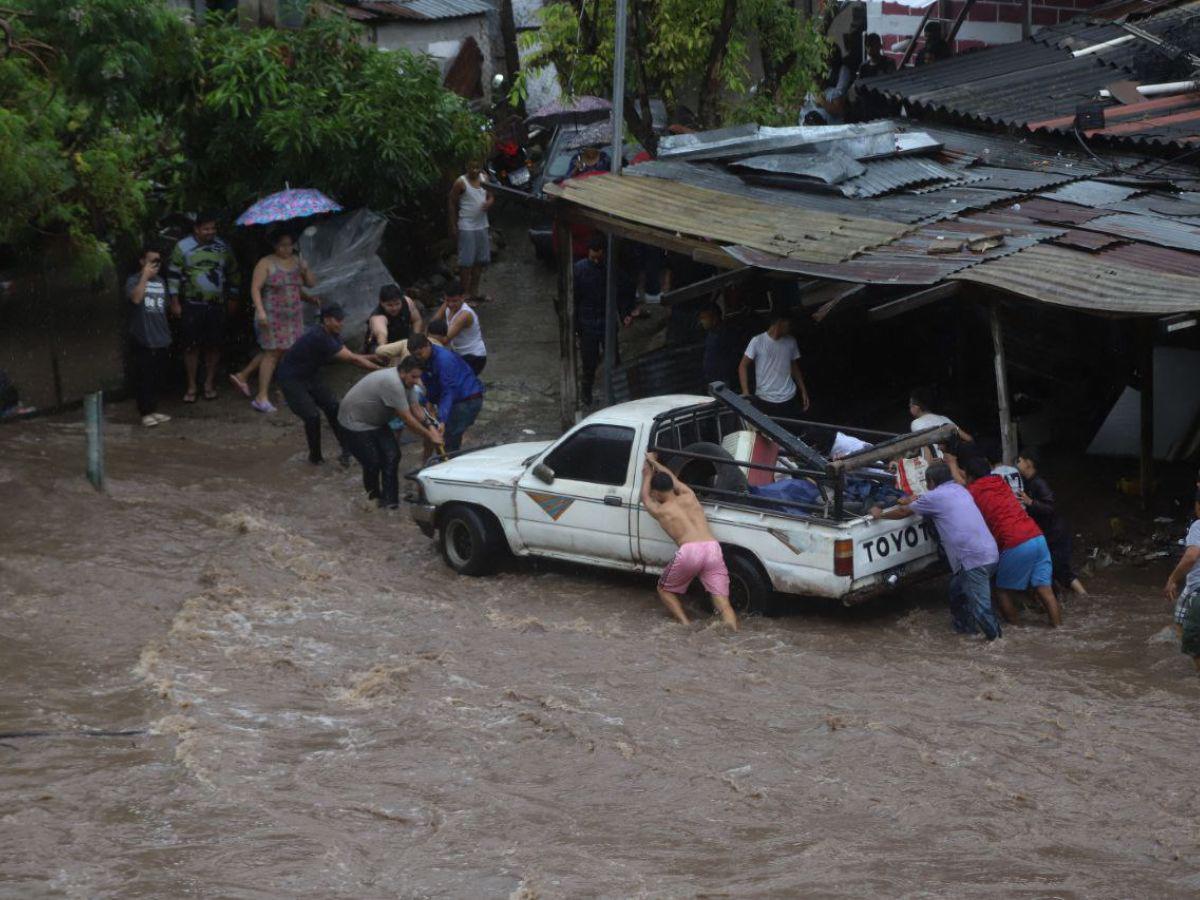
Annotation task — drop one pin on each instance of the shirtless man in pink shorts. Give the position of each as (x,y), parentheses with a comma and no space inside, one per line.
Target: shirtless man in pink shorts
(675,507)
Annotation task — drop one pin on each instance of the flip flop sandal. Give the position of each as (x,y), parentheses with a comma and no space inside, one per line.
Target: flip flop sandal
(210,395)
(240,385)
(189,397)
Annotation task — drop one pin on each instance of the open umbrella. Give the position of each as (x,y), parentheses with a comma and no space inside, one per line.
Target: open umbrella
(293,203)
(579,111)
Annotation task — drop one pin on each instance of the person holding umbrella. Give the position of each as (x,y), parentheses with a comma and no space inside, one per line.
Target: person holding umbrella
(276,290)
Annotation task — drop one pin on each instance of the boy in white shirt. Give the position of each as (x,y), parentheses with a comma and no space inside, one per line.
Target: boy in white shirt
(777,376)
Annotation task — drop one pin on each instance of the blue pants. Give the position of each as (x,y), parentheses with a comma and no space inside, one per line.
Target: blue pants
(462,416)
(971,602)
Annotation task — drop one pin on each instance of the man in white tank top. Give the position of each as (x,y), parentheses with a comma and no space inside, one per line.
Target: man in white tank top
(470,199)
(463,334)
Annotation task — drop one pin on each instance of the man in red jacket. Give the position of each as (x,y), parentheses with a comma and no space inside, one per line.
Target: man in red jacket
(1024,556)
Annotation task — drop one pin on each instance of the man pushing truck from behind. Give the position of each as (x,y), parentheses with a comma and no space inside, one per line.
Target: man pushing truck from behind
(676,509)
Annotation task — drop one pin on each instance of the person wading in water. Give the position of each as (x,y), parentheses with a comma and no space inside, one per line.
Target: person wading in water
(677,510)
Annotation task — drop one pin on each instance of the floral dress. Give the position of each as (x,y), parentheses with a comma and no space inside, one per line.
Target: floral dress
(284,308)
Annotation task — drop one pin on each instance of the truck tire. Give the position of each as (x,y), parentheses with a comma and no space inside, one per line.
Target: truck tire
(749,589)
(724,476)
(472,543)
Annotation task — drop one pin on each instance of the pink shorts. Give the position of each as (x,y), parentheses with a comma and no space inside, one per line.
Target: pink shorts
(697,558)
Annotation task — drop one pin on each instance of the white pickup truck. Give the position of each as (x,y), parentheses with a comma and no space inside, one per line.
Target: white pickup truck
(578,499)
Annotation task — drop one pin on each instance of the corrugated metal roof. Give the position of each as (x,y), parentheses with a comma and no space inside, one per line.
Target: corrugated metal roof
(907,208)
(726,218)
(1091,193)
(1079,239)
(1038,83)
(1162,259)
(926,256)
(886,175)
(416,10)
(1151,229)
(1085,281)
(997,178)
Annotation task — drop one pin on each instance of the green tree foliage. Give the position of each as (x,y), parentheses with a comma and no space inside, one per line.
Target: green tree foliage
(114,111)
(703,52)
(317,108)
(81,120)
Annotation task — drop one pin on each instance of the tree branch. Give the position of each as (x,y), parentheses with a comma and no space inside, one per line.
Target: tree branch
(711,85)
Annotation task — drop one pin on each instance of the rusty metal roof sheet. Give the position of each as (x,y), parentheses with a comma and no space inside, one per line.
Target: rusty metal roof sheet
(1161,259)
(1085,240)
(1158,230)
(1091,193)
(727,218)
(1085,281)
(925,256)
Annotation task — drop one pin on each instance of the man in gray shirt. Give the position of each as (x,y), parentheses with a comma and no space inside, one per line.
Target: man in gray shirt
(150,333)
(364,415)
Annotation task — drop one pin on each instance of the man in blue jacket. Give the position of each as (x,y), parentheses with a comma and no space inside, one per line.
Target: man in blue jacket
(451,386)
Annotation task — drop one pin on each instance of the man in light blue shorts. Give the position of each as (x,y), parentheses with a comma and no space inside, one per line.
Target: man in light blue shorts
(470,199)
(1187,600)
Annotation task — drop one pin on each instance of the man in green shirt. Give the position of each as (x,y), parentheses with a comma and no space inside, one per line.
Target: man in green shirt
(202,278)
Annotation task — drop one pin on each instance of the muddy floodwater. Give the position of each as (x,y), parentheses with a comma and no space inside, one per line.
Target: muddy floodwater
(318,707)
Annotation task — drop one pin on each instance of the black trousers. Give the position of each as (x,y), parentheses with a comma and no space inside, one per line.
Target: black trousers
(591,351)
(789,409)
(308,398)
(379,455)
(475,362)
(148,367)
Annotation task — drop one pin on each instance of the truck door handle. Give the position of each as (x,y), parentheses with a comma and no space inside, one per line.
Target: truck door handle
(613,500)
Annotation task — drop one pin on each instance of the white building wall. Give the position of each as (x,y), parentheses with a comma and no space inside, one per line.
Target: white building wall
(441,40)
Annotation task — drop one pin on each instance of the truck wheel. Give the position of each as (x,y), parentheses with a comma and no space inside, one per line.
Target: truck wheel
(471,543)
(749,589)
(722,475)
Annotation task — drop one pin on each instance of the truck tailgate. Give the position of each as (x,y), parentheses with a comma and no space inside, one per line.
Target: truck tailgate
(888,543)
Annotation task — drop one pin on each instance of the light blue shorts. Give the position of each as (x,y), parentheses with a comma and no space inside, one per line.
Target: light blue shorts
(1025,566)
(474,247)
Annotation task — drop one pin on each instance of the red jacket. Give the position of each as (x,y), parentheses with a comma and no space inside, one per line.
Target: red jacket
(1006,518)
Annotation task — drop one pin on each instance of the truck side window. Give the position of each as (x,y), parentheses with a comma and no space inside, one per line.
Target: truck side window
(598,454)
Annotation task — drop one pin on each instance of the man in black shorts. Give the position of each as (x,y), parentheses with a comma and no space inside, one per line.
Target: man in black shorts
(202,278)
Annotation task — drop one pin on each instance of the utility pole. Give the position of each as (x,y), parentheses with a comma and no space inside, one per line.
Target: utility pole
(618,143)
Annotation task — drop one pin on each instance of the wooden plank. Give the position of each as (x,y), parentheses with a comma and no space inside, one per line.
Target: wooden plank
(567,393)
(912,301)
(706,286)
(1146,365)
(1007,435)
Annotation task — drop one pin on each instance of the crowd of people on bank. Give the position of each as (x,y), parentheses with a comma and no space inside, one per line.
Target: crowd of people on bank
(423,369)
(999,525)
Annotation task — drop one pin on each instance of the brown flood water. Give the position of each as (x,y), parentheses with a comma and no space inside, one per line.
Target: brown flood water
(330,712)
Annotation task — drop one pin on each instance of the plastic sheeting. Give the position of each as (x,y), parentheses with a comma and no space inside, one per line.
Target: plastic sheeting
(343,253)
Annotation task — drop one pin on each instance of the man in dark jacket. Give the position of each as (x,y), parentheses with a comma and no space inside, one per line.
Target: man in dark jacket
(591,287)
(1040,503)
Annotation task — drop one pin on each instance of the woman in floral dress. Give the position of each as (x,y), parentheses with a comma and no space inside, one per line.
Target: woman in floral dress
(278,312)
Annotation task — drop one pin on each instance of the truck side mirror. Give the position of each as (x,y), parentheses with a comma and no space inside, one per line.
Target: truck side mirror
(543,473)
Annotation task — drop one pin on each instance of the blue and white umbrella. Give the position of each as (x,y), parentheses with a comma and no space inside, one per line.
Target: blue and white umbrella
(293,203)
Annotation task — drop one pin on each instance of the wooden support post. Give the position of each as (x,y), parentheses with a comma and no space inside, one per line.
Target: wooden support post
(566,325)
(1146,365)
(912,44)
(1008,441)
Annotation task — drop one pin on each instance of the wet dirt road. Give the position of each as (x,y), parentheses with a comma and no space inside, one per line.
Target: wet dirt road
(329,712)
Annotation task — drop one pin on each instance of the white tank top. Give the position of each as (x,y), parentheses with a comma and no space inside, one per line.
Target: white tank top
(469,341)
(471,214)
